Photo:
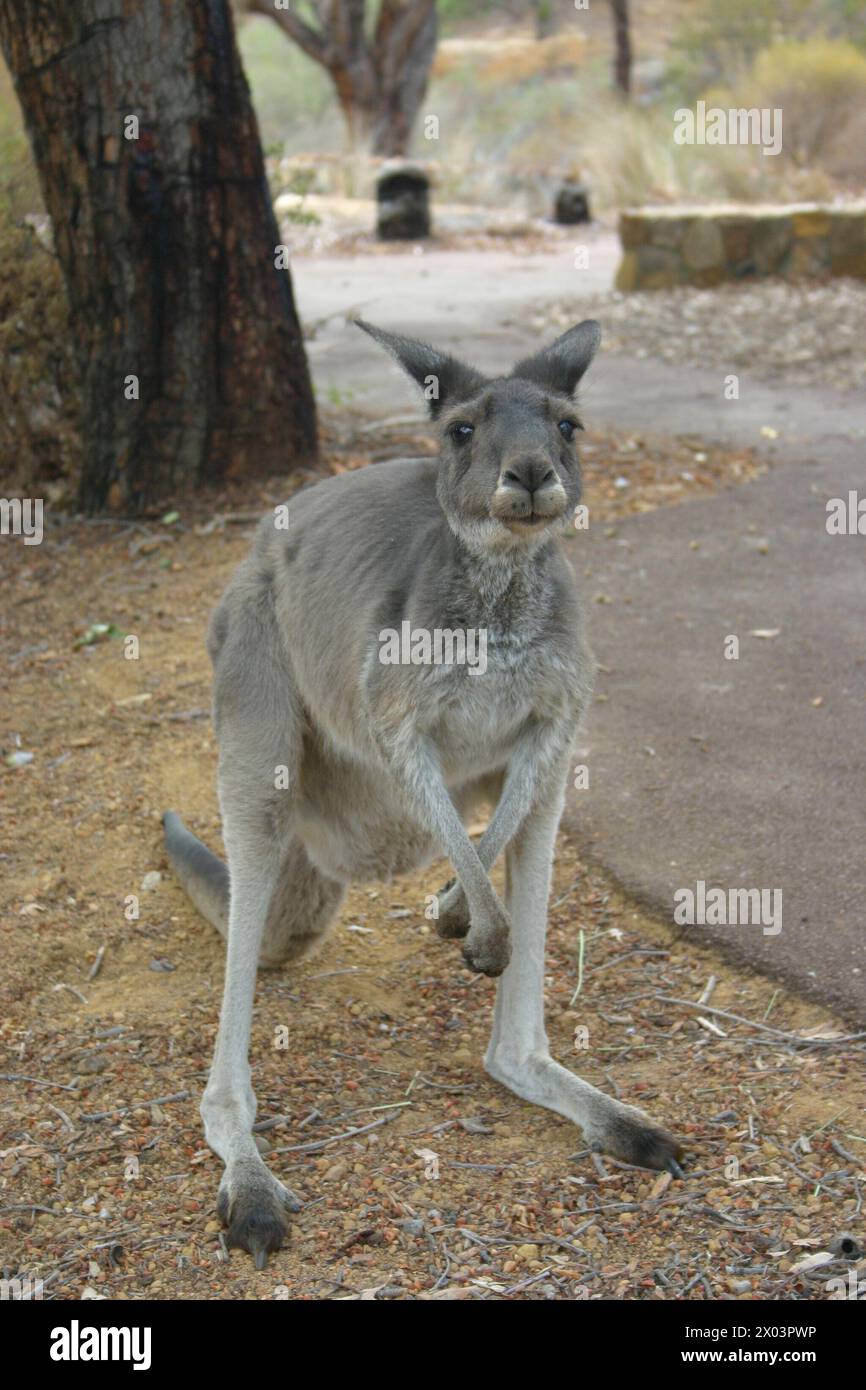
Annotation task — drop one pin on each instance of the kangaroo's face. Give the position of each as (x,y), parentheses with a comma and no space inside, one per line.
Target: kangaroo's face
(509,459)
(509,474)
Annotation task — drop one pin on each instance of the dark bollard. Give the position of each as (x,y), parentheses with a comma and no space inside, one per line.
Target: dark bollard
(403,196)
(572,205)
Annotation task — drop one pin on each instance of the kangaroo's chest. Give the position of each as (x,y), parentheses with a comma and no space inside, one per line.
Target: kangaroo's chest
(480,711)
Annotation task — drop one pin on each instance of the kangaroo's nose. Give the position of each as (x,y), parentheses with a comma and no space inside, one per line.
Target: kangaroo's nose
(530,473)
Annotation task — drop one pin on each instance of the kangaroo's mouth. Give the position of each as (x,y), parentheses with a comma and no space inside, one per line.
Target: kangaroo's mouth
(533,519)
(523,511)
(529,521)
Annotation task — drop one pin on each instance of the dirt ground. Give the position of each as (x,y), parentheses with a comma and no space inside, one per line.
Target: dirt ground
(421,1177)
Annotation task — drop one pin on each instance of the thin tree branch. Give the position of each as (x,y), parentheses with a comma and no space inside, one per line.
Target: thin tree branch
(397,32)
(305,36)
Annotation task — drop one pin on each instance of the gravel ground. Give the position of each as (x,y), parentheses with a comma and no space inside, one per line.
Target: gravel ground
(421,1178)
(799,334)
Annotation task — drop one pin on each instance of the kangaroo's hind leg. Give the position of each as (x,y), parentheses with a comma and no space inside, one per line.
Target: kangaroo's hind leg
(280,907)
(251,1201)
(518,1054)
(260,731)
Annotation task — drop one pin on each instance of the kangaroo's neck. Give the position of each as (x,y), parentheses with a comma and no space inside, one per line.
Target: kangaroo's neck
(498,589)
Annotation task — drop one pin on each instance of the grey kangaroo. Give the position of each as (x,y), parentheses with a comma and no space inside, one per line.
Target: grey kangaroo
(379,763)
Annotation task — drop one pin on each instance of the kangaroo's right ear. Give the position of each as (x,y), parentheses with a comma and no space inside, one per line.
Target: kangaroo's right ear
(443,379)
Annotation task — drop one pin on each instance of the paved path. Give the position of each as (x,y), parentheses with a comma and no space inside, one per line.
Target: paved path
(740,773)
(757,774)
(479,304)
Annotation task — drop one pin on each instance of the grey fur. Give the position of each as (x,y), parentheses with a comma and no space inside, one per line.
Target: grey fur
(384,762)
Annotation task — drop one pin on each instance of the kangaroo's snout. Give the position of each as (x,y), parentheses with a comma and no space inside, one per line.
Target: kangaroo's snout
(528,491)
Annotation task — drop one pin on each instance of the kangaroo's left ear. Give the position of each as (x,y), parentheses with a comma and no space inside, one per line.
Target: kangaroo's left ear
(443,379)
(561,365)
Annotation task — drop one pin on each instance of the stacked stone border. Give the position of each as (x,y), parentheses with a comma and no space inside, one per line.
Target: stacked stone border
(666,246)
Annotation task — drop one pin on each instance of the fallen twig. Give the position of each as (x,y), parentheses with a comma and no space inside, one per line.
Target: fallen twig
(97,964)
(136,1105)
(334,1139)
(37,1080)
(762,1027)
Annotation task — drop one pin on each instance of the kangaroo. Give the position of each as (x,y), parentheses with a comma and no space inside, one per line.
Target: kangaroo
(339,765)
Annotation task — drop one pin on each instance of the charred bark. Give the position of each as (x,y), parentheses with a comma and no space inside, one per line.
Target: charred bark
(151,168)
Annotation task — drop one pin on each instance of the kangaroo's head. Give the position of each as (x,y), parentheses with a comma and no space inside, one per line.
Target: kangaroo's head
(509,474)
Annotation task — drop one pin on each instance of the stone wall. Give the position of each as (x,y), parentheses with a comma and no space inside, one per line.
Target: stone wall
(704,246)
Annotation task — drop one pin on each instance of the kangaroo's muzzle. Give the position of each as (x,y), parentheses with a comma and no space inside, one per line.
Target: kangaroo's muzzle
(529,493)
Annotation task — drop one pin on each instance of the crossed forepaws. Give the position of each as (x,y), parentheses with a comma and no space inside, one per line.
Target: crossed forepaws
(487,945)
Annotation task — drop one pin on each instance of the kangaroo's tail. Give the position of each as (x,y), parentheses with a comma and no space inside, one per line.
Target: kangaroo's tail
(203,876)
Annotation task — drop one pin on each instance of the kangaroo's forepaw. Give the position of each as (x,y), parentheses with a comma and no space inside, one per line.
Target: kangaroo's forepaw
(253,1204)
(453,919)
(487,953)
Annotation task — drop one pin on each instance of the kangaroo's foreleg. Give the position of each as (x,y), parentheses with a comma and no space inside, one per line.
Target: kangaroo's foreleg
(414,764)
(541,748)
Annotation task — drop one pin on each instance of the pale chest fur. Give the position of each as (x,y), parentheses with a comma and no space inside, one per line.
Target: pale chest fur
(474,719)
(525,662)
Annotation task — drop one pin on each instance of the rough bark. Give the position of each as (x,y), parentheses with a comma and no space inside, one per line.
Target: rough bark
(622,38)
(380,78)
(166,240)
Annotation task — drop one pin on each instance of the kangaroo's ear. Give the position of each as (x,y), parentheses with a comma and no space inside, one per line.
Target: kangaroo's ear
(443,379)
(561,365)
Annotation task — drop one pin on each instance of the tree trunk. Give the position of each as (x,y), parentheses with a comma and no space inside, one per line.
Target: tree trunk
(404,73)
(546,18)
(622,35)
(167,241)
(380,78)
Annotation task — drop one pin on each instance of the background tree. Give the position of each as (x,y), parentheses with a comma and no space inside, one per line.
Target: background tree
(151,168)
(622,39)
(379,69)
(546,18)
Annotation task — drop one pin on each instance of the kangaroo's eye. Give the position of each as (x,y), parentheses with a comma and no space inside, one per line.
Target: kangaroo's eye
(461,433)
(567,428)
